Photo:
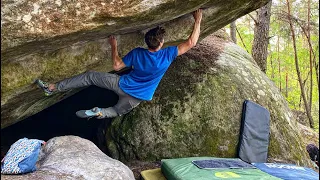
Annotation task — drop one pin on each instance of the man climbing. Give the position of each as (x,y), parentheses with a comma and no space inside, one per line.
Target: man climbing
(149,66)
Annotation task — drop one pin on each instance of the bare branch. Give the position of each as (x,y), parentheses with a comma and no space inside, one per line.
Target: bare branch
(242,40)
(270,37)
(285,16)
(308,111)
(255,21)
(302,26)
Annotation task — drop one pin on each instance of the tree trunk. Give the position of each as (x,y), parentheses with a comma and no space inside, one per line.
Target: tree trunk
(307,34)
(310,58)
(233,32)
(300,101)
(261,37)
(298,70)
(272,69)
(303,86)
(298,21)
(278,49)
(286,84)
(316,67)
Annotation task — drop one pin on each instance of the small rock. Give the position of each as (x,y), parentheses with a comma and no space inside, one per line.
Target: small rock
(27,18)
(58,2)
(35,8)
(78,5)
(261,93)
(244,73)
(48,20)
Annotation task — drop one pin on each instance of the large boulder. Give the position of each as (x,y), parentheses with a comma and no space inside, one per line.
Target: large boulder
(196,110)
(57,39)
(72,157)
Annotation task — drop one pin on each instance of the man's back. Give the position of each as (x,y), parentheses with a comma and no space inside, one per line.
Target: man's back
(148,70)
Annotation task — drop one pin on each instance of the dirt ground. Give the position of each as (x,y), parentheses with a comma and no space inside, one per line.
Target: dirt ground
(138,166)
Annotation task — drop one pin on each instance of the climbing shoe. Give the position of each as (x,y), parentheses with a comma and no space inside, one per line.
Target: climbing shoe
(94,112)
(44,86)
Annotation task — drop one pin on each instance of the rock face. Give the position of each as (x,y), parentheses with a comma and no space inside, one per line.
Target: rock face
(54,40)
(309,135)
(72,157)
(301,117)
(196,110)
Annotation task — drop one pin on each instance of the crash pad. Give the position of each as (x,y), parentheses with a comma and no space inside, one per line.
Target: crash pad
(288,171)
(184,169)
(152,174)
(254,133)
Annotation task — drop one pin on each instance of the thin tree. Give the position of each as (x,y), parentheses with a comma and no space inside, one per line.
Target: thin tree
(316,67)
(304,82)
(298,70)
(299,22)
(272,69)
(261,36)
(233,31)
(310,58)
(286,83)
(278,49)
(244,45)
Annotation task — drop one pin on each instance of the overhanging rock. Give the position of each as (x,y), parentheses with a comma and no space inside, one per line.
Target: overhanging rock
(54,40)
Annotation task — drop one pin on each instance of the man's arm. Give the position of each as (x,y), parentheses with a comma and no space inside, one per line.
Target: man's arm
(117,61)
(192,40)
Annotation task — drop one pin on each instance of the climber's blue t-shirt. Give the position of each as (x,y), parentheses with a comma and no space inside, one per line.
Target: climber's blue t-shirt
(147,70)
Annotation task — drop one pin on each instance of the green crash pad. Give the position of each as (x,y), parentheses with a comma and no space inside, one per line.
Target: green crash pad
(152,174)
(184,169)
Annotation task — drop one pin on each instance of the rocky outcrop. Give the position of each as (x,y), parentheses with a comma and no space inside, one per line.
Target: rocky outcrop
(54,40)
(59,22)
(196,110)
(72,157)
(309,135)
(301,117)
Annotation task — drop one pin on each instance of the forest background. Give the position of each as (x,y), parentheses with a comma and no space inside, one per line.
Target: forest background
(283,38)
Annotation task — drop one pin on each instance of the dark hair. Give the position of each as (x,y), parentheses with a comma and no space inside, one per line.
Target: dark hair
(154,36)
(313,152)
